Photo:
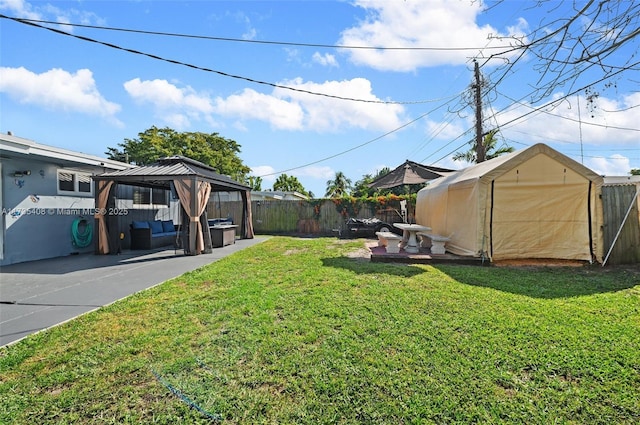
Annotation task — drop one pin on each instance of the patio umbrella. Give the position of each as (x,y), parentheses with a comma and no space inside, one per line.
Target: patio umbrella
(407,174)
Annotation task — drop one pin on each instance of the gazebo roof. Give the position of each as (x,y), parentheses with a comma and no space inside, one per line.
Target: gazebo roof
(161,172)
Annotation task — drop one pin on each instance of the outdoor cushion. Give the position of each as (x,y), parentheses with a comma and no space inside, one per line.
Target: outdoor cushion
(157,235)
(167,226)
(139,224)
(156,226)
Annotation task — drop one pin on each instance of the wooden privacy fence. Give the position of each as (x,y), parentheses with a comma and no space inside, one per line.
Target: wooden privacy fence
(620,202)
(317,217)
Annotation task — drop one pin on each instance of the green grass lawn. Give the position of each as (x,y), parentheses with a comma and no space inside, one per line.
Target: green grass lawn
(296,331)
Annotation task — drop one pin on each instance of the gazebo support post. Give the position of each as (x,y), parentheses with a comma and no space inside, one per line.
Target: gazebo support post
(193,224)
(206,234)
(113,222)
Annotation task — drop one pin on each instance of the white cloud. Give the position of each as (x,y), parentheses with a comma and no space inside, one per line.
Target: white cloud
(250,104)
(600,135)
(426,23)
(446,130)
(266,172)
(263,170)
(450,164)
(20,9)
(282,109)
(293,110)
(178,121)
(58,89)
(293,55)
(176,106)
(615,165)
(250,32)
(316,172)
(325,60)
(327,114)
(25,10)
(318,175)
(608,123)
(521,27)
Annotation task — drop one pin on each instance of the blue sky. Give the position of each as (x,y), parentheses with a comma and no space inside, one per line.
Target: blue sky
(368,108)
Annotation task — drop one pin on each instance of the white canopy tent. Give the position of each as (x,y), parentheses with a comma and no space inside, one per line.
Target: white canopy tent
(533,203)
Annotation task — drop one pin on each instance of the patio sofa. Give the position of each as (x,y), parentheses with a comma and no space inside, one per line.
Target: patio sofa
(152,234)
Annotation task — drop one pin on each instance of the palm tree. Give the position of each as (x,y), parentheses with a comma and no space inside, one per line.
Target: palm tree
(339,186)
(490,141)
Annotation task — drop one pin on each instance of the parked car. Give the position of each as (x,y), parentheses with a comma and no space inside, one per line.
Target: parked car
(367,227)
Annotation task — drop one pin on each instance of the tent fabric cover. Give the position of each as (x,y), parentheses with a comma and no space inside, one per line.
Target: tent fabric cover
(534,203)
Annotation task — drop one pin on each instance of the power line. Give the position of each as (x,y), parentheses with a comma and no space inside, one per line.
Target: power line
(453,140)
(224,74)
(538,110)
(83,38)
(523,48)
(613,127)
(620,110)
(240,40)
(350,149)
(562,98)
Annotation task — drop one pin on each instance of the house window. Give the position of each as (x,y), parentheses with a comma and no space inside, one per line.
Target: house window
(84,183)
(142,196)
(74,183)
(160,196)
(147,196)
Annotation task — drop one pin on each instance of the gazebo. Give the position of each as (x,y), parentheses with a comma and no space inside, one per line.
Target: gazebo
(191,180)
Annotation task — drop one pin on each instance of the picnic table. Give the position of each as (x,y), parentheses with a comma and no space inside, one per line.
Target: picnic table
(409,239)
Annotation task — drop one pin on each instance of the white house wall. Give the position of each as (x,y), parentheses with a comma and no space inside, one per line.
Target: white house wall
(37,221)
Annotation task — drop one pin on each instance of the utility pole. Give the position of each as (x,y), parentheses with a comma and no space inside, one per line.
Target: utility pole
(480,148)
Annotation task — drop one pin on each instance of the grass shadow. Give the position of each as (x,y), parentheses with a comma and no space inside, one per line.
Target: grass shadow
(546,282)
(365,266)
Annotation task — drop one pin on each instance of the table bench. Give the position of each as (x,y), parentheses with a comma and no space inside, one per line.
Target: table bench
(437,242)
(385,237)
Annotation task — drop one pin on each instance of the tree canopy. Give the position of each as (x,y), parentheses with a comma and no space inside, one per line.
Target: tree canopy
(210,149)
(339,186)
(490,142)
(255,183)
(362,189)
(289,184)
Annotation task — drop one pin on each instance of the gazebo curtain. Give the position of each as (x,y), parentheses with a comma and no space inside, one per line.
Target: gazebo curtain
(102,198)
(247,225)
(193,196)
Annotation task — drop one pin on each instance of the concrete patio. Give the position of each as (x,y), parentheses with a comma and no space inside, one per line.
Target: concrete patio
(37,295)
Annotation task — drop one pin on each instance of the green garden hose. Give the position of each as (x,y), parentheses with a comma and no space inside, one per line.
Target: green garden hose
(81,240)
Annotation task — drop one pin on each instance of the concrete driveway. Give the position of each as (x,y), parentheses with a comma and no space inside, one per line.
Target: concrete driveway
(39,294)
